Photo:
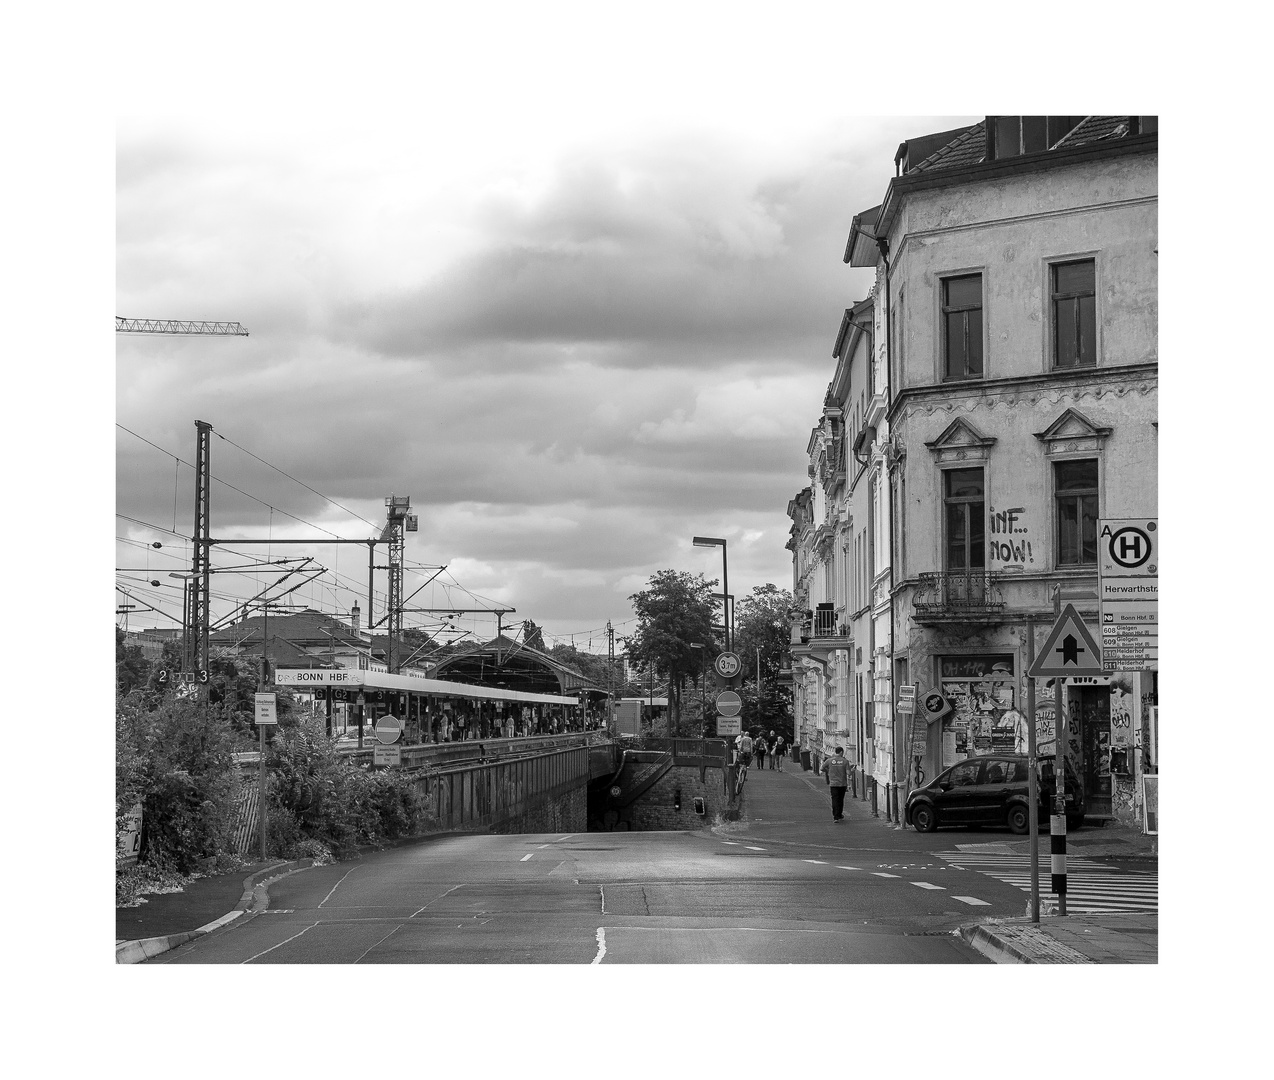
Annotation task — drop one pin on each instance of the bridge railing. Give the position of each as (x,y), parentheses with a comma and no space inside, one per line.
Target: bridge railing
(694,752)
(475,796)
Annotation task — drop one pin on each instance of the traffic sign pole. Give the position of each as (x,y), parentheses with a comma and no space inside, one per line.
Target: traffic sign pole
(1032,781)
(1057,820)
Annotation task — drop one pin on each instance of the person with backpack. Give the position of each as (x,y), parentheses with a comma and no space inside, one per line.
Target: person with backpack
(836,770)
(776,749)
(760,747)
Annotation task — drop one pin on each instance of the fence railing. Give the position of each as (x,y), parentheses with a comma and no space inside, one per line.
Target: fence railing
(955,592)
(684,751)
(478,796)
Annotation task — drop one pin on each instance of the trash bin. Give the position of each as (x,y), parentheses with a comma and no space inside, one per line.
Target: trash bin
(805,760)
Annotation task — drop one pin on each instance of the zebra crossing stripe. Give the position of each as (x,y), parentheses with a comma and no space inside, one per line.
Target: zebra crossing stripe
(927,885)
(973,901)
(1091,887)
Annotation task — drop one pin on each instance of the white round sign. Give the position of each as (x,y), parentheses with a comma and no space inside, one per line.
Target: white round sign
(728,665)
(389,729)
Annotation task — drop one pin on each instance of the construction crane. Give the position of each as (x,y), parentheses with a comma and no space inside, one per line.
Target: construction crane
(176,326)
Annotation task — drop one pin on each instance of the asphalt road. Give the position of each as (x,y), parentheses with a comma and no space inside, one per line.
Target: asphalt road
(621,898)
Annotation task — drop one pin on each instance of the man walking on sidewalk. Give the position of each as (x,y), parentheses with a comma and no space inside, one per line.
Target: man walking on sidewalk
(836,769)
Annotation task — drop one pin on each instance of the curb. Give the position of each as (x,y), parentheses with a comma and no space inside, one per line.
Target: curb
(1002,950)
(255,898)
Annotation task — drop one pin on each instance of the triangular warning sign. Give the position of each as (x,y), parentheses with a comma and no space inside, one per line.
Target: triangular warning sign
(1069,650)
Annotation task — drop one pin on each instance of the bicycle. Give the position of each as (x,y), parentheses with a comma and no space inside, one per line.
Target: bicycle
(741,775)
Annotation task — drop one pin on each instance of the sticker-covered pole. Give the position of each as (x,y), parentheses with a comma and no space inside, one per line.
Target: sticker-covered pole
(1032,791)
(1057,822)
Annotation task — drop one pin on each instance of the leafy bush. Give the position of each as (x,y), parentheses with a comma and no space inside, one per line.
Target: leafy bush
(319,797)
(177,761)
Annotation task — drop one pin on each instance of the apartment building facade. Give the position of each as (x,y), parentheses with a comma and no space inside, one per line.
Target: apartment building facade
(1016,293)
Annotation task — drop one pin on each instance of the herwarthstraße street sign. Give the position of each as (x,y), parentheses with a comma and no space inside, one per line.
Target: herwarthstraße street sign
(1070,649)
(1128,569)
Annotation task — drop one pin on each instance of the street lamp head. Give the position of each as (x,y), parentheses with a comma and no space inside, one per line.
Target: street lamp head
(708,541)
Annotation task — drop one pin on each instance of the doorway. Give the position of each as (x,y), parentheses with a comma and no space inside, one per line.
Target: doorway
(1090,722)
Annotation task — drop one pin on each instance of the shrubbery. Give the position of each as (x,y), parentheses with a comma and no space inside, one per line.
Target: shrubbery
(318,797)
(176,757)
(176,760)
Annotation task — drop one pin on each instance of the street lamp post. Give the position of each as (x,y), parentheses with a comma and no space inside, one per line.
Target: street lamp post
(703,685)
(716,541)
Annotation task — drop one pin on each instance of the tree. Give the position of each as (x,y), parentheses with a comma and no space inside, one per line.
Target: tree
(674,612)
(131,666)
(764,622)
(532,635)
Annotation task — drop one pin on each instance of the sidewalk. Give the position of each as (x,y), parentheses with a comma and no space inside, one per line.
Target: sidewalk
(795,808)
(206,904)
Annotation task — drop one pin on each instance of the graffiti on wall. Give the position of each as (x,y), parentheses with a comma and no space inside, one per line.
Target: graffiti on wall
(1008,548)
(1123,797)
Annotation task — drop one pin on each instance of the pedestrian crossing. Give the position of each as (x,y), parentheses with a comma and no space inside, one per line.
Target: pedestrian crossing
(1092,888)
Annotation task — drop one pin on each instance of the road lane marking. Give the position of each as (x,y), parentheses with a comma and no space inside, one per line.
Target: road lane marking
(972,900)
(848,868)
(927,885)
(881,873)
(816,862)
(754,848)
(525,857)
(601,945)
(602,890)
(372,946)
(437,898)
(337,885)
(281,943)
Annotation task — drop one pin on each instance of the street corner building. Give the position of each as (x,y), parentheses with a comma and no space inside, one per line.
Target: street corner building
(988,448)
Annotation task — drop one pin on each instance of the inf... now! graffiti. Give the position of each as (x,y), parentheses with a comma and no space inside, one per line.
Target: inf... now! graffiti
(1015,549)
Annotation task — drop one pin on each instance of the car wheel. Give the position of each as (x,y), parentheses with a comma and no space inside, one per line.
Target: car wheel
(1019,820)
(924,817)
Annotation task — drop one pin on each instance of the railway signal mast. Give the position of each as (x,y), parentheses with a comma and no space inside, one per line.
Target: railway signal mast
(195,616)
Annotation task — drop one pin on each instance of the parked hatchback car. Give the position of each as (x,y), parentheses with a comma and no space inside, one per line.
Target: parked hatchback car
(991,790)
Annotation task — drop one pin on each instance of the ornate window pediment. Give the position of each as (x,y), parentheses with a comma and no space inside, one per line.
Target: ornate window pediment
(961,442)
(1072,432)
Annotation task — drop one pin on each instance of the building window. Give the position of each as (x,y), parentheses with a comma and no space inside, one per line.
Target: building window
(1075,314)
(1075,487)
(966,520)
(962,326)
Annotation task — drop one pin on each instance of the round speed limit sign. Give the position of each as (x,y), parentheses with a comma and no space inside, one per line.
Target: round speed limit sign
(728,665)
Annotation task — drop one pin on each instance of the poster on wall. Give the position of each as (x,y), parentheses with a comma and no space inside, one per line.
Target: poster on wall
(1150,800)
(982,691)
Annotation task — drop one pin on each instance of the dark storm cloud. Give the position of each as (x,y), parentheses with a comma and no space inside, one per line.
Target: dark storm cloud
(638,267)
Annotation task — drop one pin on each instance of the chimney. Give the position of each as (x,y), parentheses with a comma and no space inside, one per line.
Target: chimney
(354,616)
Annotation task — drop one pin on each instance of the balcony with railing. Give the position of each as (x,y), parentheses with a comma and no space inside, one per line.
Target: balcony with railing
(958,596)
(819,630)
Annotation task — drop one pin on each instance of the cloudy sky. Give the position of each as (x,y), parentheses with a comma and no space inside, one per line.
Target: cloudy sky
(575,319)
